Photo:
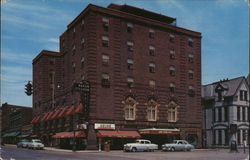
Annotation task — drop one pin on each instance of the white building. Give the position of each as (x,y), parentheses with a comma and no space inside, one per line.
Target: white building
(226,112)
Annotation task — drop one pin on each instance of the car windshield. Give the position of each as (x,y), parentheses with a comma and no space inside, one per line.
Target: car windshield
(37,141)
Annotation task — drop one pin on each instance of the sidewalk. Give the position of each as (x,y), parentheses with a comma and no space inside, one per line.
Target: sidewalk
(68,150)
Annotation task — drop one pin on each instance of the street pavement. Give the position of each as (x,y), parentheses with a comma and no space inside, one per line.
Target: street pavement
(13,153)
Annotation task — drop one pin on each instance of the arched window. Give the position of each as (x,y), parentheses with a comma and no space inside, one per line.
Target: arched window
(130,108)
(172,112)
(152,107)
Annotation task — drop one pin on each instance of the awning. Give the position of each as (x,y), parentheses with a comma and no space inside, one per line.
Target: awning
(79,108)
(37,119)
(159,131)
(32,121)
(78,134)
(11,134)
(70,111)
(44,117)
(49,116)
(55,113)
(24,135)
(62,113)
(118,134)
(34,136)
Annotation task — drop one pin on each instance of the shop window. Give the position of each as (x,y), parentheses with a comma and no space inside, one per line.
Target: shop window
(105,41)
(105,59)
(151,67)
(152,84)
(130,27)
(130,82)
(130,63)
(105,80)
(151,33)
(130,45)
(105,23)
(172,71)
(172,54)
(151,50)
(171,38)
(172,87)
(190,42)
(190,74)
(130,109)
(190,58)
(191,91)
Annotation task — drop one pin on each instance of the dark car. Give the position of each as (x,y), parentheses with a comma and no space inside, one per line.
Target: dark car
(23,143)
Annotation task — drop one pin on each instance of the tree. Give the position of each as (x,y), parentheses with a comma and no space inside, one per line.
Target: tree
(29,88)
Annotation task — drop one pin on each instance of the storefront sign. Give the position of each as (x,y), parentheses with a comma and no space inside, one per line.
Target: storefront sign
(104,126)
(159,132)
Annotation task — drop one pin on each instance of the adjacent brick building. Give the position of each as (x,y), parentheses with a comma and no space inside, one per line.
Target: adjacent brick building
(144,72)
(14,118)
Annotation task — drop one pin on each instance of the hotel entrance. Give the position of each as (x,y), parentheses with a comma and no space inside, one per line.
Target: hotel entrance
(160,136)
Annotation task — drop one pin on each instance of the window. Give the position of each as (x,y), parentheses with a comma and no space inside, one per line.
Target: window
(73,49)
(190,42)
(172,87)
(243,114)
(219,96)
(130,108)
(152,84)
(172,71)
(191,91)
(225,114)
(214,115)
(105,80)
(238,113)
(172,54)
(130,45)
(190,58)
(151,33)
(171,38)
(130,63)
(129,27)
(243,95)
(151,67)
(73,67)
(151,50)
(105,23)
(172,112)
(74,30)
(82,77)
(130,82)
(152,111)
(238,137)
(105,41)
(226,136)
(105,59)
(219,137)
(219,114)
(190,74)
(82,62)
(82,42)
(82,22)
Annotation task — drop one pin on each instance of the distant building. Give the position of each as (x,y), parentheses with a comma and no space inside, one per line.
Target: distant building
(15,121)
(226,112)
(144,74)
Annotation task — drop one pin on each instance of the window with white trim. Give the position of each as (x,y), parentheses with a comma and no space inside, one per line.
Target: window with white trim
(105,41)
(105,80)
(130,27)
(172,87)
(172,53)
(151,67)
(130,82)
(171,38)
(190,74)
(172,112)
(105,23)
(152,110)
(191,91)
(151,50)
(130,46)
(105,59)
(130,109)
(130,63)
(190,42)
(190,58)
(152,84)
(172,71)
(151,33)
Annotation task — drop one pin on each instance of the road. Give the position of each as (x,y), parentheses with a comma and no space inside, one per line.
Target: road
(8,152)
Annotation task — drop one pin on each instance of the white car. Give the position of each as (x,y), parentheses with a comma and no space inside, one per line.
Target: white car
(140,145)
(35,144)
(177,145)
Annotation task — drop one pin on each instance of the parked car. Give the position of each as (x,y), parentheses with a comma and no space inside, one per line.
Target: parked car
(23,143)
(140,145)
(35,144)
(177,145)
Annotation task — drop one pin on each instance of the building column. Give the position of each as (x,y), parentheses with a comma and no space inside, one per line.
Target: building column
(222,114)
(222,137)
(241,115)
(216,114)
(246,113)
(216,137)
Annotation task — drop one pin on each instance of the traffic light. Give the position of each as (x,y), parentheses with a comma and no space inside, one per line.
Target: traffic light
(28,88)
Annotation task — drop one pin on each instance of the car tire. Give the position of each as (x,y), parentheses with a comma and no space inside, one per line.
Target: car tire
(172,149)
(134,149)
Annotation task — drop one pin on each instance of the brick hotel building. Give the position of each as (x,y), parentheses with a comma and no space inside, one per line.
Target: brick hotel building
(144,74)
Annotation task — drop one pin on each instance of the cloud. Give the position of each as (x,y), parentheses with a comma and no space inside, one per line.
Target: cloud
(15,57)
(54,40)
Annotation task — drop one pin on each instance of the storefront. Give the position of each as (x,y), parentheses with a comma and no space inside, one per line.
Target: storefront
(11,137)
(160,136)
(66,140)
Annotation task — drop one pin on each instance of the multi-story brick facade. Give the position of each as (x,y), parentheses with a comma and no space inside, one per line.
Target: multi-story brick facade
(144,72)
(13,119)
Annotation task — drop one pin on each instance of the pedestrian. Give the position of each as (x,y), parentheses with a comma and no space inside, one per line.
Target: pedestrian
(244,145)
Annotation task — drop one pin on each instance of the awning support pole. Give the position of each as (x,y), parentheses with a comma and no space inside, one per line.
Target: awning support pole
(100,145)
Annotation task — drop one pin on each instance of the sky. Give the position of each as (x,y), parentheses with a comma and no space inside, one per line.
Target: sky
(29,26)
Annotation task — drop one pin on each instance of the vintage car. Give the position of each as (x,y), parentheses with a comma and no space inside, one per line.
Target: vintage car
(35,144)
(140,145)
(23,143)
(177,145)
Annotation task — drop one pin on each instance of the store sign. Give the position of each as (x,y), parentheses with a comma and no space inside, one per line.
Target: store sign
(159,132)
(104,126)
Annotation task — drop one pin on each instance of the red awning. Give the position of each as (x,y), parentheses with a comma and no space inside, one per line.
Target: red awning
(37,119)
(69,134)
(62,113)
(55,113)
(70,111)
(118,134)
(79,108)
(33,120)
(33,136)
(44,117)
(49,116)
